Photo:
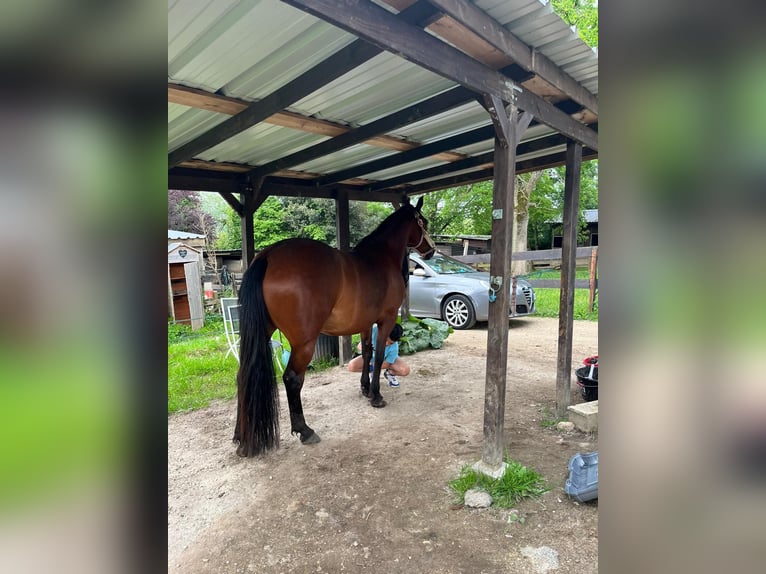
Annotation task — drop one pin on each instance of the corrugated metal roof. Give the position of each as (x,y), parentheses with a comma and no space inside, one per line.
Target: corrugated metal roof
(247,49)
(589,215)
(173,234)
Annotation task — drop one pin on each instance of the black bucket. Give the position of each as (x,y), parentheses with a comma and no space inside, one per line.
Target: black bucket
(587,378)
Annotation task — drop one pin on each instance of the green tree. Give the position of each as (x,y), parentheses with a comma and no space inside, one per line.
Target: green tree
(464,210)
(547,202)
(229,231)
(284,217)
(580,13)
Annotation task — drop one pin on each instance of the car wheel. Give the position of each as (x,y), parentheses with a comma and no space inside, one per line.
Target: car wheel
(458,312)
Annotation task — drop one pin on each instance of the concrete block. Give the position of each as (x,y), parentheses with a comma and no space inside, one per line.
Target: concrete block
(492,472)
(585,416)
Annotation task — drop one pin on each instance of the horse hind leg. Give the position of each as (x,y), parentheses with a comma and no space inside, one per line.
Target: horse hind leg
(295,373)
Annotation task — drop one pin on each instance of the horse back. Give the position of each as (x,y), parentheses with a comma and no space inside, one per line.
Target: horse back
(310,286)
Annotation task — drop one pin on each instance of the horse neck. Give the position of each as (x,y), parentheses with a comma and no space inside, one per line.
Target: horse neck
(391,248)
(384,243)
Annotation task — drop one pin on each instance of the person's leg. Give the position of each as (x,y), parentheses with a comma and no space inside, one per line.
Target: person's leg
(355,364)
(399,368)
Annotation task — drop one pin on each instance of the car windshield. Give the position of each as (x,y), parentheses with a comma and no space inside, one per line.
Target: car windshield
(448,266)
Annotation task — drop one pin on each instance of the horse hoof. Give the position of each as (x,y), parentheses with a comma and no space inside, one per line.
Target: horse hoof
(313,438)
(365,392)
(379,404)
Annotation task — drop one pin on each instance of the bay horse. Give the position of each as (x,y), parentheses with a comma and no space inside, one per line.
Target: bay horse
(303,288)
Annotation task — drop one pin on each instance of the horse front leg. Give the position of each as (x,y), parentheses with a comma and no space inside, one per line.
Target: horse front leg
(376,399)
(366,358)
(293,378)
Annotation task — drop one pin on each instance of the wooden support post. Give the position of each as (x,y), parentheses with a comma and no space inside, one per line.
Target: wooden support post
(251,199)
(248,241)
(342,230)
(568,265)
(497,330)
(592,279)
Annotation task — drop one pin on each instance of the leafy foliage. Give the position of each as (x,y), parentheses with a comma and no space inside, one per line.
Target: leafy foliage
(185,214)
(420,334)
(285,217)
(547,202)
(580,13)
(460,210)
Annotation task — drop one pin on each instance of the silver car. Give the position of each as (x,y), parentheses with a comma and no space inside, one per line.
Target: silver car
(446,289)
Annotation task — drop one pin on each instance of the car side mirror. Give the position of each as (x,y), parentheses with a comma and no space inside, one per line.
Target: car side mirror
(419,272)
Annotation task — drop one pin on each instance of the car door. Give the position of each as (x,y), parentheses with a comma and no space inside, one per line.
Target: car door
(422,291)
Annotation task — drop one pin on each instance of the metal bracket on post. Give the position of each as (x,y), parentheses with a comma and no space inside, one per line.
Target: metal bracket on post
(497,214)
(496,283)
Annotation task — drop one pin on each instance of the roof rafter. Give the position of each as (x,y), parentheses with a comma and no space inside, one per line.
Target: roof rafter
(403,117)
(200,99)
(378,26)
(464,139)
(525,166)
(341,62)
(483,159)
(484,26)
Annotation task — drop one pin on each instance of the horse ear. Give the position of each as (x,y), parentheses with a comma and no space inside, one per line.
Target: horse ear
(419,204)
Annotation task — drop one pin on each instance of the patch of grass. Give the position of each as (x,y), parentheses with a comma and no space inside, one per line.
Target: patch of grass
(516,483)
(182,331)
(198,369)
(547,304)
(323,363)
(199,372)
(580,273)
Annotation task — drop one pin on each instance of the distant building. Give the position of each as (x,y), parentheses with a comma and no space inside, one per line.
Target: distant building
(591,240)
(191,239)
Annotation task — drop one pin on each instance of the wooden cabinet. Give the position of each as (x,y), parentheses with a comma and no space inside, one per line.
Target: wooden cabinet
(185,285)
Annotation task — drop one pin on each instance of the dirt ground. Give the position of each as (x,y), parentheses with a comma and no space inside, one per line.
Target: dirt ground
(372,496)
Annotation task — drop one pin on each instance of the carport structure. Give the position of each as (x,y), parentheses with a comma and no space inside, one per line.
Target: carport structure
(355,100)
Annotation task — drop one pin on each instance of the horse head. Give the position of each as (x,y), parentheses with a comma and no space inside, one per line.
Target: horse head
(418,238)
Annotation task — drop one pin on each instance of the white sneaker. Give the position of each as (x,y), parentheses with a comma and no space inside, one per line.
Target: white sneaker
(391,378)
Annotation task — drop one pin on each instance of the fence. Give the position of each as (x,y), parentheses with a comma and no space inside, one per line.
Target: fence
(549,259)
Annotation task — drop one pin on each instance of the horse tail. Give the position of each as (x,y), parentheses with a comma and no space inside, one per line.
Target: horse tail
(257,394)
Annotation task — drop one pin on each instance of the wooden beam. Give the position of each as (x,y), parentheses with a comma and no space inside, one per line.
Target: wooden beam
(568,266)
(475,161)
(483,25)
(522,120)
(460,140)
(201,99)
(204,180)
(535,164)
(330,69)
(333,67)
(497,114)
(216,165)
(233,202)
(406,116)
(378,26)
(436,171)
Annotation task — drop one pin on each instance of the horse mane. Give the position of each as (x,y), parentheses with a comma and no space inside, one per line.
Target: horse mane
(384,229)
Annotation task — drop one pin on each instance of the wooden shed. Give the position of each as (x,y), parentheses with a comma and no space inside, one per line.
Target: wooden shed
(185,285)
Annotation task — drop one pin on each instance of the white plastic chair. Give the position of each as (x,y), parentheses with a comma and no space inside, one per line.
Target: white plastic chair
(230,311)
